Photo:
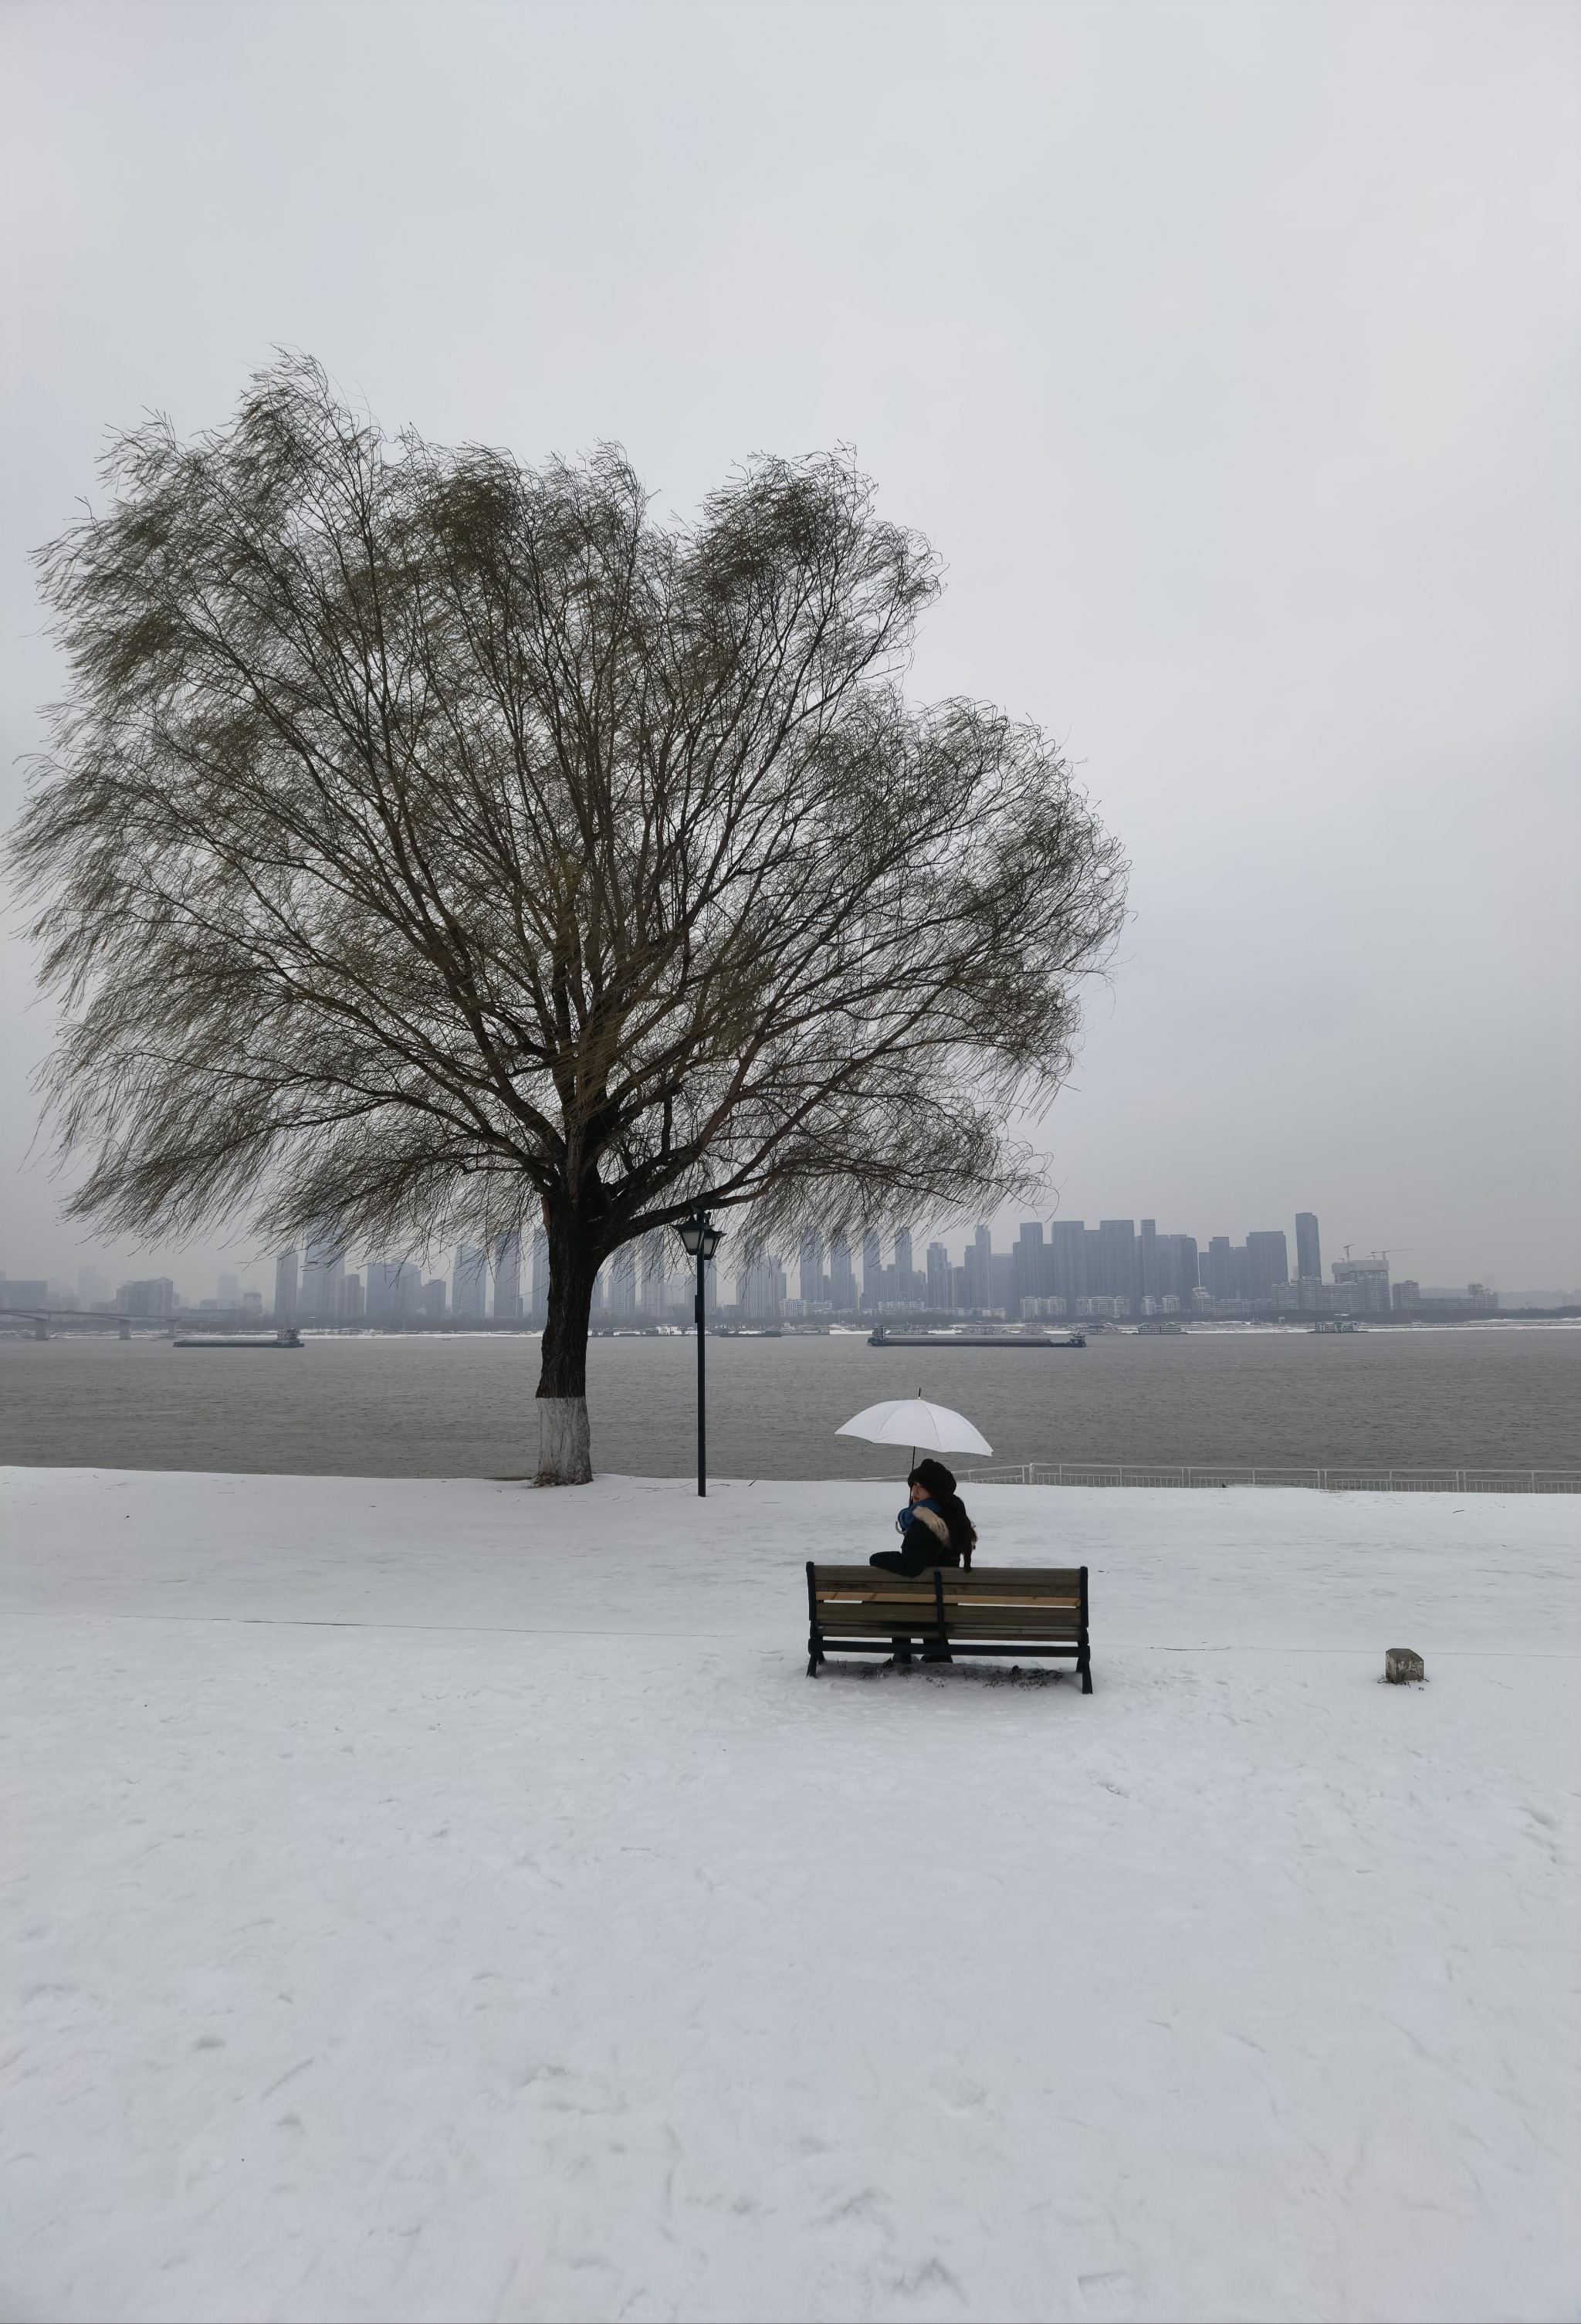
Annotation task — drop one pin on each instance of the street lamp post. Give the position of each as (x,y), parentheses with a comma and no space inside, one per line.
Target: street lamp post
(700,1239)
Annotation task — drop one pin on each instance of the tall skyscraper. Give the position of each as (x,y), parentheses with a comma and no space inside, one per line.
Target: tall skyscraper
(939,1274)
(904,1288)
(508,1278)
(285,1287)
(1118,1249)
(1149,1281)
(1309,1256)
(392,1290)
(469,1283)
(1177,1267)
(872,1270)
(1221,1268)
(810,1273)
(654,1256)
(1027,1273)
(1267,1263)
(623,1284)
(323,1277)
(842,1281)
(1067,1260)
(155,1297)
(758,1293)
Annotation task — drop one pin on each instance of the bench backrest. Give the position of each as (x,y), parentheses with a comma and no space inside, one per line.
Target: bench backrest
(1009,1601)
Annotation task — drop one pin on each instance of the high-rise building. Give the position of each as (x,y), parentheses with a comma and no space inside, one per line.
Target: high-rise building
(1220,1276)
(1148,1280)
(392,1290)
(842,1281)
(759,1285)
(1267,1263)
(508,1278)
(810,1271)
(872,1270)
(654,1258)
(1067,1260)
(1118,1253)
(1365,1283)
(623,1284)
(285,1287)
(469,1283)
(980,1270)
(1177,1267)
(152,1298)
(433,1305)
(34,1291)
(1027,1270)
(1308,1257)
(323,1277)
(905,1290)
(939,1273)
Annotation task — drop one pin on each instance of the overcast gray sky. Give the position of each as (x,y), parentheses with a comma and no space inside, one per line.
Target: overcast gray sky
(1228,352)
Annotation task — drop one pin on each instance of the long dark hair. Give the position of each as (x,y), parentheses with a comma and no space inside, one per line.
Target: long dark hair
(940,1483)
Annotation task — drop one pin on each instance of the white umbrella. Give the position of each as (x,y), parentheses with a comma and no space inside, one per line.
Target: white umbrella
(909,1420)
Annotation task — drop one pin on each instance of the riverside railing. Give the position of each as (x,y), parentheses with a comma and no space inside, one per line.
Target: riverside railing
(1322,1481)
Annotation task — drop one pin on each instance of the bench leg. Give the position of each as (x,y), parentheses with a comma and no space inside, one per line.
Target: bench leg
(1085,1667)
(903,1653)
(814,1654)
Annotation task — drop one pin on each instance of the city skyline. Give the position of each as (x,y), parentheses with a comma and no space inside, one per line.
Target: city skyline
(1054,1268)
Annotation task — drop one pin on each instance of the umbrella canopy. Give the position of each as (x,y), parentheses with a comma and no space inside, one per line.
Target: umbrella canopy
(913,1422)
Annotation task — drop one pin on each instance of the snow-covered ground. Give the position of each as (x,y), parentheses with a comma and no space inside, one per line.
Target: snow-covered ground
(446,1900)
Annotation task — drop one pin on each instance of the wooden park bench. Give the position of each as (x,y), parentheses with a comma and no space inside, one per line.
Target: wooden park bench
(1026,1612)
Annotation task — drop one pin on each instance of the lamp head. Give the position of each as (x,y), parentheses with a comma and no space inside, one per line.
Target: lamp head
(700,1238)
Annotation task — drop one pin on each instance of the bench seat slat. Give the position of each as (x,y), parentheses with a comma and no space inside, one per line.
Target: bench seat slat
(1068,1577)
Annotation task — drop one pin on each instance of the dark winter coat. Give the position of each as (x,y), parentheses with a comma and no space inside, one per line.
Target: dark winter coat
(926,1542)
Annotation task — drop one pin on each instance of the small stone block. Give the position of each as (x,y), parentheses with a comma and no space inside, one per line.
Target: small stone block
(1401,1665)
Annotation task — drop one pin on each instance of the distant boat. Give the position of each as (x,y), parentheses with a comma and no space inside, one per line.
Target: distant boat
(881,1337)
(287,1337)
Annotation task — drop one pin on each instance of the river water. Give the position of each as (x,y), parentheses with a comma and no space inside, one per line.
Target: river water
(1505,1395)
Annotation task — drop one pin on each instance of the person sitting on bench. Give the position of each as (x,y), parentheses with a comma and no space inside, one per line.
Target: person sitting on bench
(934,1528)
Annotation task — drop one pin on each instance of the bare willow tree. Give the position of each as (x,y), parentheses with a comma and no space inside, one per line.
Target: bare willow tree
(429,844)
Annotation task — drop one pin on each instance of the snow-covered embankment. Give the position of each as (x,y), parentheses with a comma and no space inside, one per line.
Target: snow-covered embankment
(446,1900)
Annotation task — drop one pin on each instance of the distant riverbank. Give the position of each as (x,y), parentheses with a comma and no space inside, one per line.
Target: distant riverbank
(437,1404)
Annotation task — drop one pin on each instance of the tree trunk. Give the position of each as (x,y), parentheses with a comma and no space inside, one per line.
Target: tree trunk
(565,1448)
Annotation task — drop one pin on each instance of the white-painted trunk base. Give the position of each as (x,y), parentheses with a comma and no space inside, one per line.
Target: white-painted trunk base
(565,1444)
